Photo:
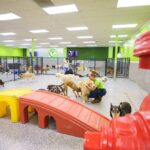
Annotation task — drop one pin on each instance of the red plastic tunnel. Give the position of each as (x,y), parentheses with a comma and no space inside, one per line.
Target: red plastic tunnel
(142,50)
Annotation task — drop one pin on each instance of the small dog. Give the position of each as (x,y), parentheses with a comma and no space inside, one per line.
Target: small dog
(73,86)
(121,110)
(1,83)
(27,75)
(56,89)
(86,87)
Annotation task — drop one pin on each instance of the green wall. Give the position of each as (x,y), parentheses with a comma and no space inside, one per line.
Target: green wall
(9,51)
(128,47)
(99,53)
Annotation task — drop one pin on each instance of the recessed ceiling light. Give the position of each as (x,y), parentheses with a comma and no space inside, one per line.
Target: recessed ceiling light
(8,41)
(8,16)
(25,44)
(61,9)
(71,45)
(115,41)
(44,43)
(53,46)
(8,33)
(120,36)
(77,28)
(124,26)
(55,38)
(65,42)
(89,42)
(92,45)
(84,37)
(132,3)
(39,31)
(29,40)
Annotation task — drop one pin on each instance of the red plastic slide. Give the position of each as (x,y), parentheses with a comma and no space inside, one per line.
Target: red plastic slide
(71,117)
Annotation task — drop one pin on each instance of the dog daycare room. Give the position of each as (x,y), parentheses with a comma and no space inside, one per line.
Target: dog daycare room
(74,74)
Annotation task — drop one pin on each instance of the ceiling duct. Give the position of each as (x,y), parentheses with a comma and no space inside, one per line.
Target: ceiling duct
(44,3)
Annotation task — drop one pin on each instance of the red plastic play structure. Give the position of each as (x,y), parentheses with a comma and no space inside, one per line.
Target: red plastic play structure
(142,50)
(131,132)
(71,117)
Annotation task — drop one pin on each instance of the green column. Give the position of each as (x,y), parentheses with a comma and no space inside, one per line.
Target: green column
(110,52)
(32,47)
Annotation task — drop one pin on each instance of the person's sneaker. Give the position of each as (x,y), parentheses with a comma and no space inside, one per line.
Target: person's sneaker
(95,101)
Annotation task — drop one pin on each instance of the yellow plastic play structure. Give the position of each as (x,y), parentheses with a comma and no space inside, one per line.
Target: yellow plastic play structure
(10,98)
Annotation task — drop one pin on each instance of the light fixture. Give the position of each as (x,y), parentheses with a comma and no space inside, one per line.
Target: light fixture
(25,44)
(55,38)
(115,41)
(8,33)
(119,36)
(124,26)
(61,9)
(28,40)
(9,45)
(132,3)
(76,28)
(84,37)
(53,46)
(44,43)
(8,41)
(8,16)
(89,42)
(65,42)
(39,31)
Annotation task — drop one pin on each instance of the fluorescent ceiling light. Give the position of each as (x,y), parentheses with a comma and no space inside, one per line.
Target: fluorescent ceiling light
(84,37)
(25,44)
(39,31)
(132,3)
(9,45)
(115,41)
(65,42)
(77,28)
(89,42)
(28,40)
(8,16)
(53,46)
(8,41)
(44,43)
(55,38)
(120,36)
(61,9)
(92,45)
(124,26)
(8,33)
(71,45)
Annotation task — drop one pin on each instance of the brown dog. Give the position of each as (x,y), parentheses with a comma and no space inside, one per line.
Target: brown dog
(73,86)
(86,87)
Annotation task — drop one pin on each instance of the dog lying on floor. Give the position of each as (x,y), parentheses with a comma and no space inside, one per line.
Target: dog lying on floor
(66,77)
(121,110)
(86,87)
(1,83)
(56,89)
(27,75)
(73,86)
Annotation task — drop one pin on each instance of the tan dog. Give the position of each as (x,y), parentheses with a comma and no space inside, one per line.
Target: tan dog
(27,75)
(66,77)
(73,86)
(86,87)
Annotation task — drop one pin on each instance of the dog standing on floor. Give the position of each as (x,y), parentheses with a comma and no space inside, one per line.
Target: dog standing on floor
(73,86)
(27,75)
(121,110)
(86,87)
(1,83)
(56,89)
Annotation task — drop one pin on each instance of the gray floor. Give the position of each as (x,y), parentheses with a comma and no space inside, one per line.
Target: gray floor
(17,136)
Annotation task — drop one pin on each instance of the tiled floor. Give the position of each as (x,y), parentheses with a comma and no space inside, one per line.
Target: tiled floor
(17,136)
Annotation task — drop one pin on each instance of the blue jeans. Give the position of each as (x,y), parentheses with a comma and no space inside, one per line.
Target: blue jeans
(97,92)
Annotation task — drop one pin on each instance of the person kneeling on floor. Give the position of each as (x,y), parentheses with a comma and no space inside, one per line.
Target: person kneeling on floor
(100,91)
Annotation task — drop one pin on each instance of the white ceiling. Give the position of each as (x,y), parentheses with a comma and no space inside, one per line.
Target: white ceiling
(97,15)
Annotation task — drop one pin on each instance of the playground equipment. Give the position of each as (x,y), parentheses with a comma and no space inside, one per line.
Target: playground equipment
(142,50)
(71,117)
(10,98)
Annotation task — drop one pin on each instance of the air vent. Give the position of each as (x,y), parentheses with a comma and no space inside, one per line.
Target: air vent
(44,3)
